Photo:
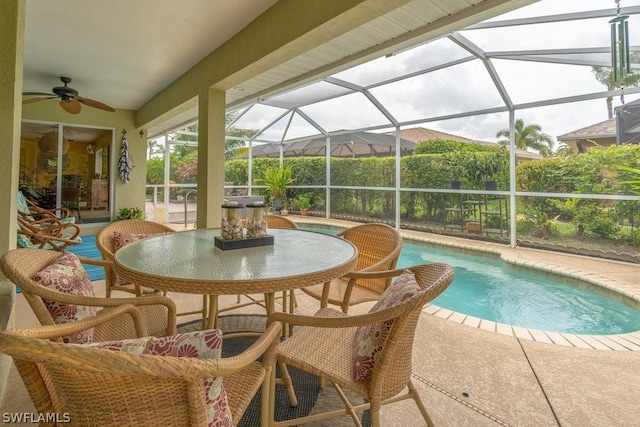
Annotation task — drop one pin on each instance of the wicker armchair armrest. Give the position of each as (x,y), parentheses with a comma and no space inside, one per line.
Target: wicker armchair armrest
(87,301)
(331,318)
(265,345)
(93,261)
(104,316)
(36,210)
(371,272)
(142,364)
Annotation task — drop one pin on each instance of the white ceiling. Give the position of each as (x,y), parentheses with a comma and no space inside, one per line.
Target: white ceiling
(123,52)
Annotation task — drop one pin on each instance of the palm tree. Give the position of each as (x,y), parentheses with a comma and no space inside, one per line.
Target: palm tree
(529,136)
(565,150)
(153,148)
(232,147)
(605,76)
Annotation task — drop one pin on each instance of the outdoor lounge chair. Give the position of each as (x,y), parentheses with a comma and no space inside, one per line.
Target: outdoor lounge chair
(379,247)
(368,354)
(43,229)
(32,212)
(49,233)
(21,265)
(109,384)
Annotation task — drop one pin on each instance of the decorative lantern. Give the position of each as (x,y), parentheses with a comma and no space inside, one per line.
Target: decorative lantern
(231,225)
(48,143)
(256,221)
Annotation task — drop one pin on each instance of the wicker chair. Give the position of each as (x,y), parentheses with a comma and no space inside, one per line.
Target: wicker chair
(278,221)
(326,343)
(106,245)
(20,265)
(101,387)
(379,247)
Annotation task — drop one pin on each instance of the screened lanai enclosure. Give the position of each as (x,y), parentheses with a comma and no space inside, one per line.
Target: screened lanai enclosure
(350,137)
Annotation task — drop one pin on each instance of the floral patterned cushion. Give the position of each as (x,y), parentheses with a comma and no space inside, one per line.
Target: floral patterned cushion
(370,339)
(67,275)
(200,344)
(121,240)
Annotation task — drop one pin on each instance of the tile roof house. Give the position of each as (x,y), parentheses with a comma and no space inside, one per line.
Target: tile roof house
(601,134)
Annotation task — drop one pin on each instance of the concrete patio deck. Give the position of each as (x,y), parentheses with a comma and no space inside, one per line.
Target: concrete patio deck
(470,376)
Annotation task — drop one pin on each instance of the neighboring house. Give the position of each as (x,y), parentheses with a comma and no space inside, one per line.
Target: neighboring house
(601,134)
(420,134)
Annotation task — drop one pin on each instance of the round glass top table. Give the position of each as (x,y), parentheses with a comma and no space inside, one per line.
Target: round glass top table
(189,262)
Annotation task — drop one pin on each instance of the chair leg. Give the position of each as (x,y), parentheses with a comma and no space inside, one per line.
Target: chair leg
(266,399)
(286,380)
(349,407)
(416,398)
(375,417)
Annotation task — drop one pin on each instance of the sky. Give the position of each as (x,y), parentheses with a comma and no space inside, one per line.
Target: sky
(467,87)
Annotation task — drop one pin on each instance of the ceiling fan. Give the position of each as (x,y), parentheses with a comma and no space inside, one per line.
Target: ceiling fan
(70,101)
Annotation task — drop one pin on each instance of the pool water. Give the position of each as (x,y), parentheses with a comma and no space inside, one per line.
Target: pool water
(485,288)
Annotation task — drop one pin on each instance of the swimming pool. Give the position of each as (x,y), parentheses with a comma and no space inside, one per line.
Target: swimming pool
(485,288)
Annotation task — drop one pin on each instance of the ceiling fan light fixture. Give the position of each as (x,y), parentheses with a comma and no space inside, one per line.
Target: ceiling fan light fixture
(70,100)
(70,105)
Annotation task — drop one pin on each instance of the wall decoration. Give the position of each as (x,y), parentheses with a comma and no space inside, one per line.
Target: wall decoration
(124,163)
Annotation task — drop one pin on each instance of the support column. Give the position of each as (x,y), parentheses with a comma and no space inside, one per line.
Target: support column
(12,18)
(211,141)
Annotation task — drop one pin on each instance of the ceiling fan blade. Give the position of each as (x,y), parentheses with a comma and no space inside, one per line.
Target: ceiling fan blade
(37,93)
(29,101)
(71,106)
(95,104)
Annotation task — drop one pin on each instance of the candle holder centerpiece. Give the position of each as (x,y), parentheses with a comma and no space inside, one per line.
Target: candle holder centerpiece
(237,232)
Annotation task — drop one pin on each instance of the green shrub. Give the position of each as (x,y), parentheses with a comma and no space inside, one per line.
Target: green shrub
(602,225)
(525,226)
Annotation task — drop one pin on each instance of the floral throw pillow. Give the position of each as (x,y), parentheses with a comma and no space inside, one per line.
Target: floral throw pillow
(200,344)
(371,338)
(121,240)
(67,275)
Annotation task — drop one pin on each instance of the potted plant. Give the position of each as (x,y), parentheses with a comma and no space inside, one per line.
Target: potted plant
(129,213)
(277,178)
(304,202)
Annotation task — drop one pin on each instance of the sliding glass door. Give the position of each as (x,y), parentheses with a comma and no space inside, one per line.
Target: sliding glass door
(67,166)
